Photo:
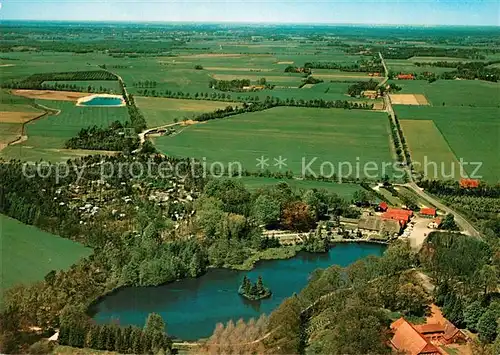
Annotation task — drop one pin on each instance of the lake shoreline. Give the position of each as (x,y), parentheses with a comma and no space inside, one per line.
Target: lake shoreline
(284,253)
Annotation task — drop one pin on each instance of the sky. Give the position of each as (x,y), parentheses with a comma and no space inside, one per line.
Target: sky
(420,12)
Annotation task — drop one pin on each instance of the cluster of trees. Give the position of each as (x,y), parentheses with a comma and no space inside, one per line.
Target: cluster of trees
(253,291)
(240,338)
(374,65)
(237,85)
(357,88)
(36,81)
(77,331)
(466,272)
(294,69)
(114,138)
(311,80)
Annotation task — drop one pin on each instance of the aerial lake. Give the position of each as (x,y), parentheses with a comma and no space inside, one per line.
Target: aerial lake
(97,100)
(192,307)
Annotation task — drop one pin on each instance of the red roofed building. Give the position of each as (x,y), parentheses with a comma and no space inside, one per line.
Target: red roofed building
(469,183)
(428,212)
(408,340)
(383,206)
(401,215)
(406,76)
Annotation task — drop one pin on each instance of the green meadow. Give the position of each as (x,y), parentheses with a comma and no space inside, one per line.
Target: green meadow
(475,93)
(161,111)
(28,253)
(471,133)
(344,190)
(296,134)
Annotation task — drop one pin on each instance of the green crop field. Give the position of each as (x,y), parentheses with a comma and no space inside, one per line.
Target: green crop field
(454,92)
(28,253)
(329,135)
(47,135)
(343,190)
(160,111)
(428,146)
(470,132)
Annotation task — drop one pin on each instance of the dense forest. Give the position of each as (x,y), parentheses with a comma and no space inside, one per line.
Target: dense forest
(114,138)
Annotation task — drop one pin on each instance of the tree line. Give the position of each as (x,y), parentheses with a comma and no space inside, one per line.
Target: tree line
(373,65)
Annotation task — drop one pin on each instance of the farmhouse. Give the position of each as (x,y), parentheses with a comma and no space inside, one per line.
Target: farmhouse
(428,212)
(406,77)
(400,215)
(469,183)
(377,224)
(408,340)
(435,223)
(383,206)
(371,94)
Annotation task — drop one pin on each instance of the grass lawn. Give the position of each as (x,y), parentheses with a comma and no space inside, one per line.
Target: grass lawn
(28,253)
(427,146)
(343,190)
(46,136)
(159,111)
(470,132)
(296,134)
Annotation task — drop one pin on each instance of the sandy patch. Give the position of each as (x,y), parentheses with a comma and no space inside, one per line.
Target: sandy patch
(308,86)
(50,94)
(189,122)
(285,62)
(82,100)
(18,117)
(378,106)
(6,65)
(408,99)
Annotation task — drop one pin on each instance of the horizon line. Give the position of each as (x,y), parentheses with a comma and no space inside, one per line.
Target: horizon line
(249,23)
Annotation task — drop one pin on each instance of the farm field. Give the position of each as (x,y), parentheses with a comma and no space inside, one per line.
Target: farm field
(427,145)
(453,92)
(329,135)
(39,251)
(160,111)
(470,132)
(337,75)
(344,190)
(408,66)
(46,136)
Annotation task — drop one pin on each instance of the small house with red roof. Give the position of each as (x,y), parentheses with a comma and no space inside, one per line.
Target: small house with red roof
(405,77)
(382,206)
(408,340)
(428,212)
(401,215)
(469,183)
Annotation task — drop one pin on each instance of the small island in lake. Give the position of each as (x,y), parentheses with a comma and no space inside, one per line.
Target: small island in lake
(253,292)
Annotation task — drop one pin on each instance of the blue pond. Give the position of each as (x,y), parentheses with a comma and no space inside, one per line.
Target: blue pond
(103,101)
(192,307)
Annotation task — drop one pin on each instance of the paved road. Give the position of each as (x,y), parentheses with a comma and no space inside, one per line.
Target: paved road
(463,223)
